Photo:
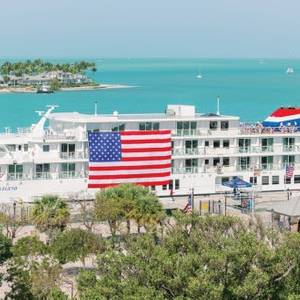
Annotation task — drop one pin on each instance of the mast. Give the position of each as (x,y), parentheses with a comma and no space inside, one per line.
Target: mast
(218,105)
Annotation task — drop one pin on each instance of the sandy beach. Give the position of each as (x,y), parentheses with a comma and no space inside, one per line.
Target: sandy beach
(67,89)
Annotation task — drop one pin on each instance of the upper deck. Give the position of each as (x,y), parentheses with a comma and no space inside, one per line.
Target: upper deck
(182,120)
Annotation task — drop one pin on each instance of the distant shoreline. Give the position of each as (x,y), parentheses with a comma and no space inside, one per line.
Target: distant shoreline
(104,86)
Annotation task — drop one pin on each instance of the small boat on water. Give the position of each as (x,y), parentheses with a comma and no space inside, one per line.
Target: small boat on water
(44,90)
(199,76)
(290,71)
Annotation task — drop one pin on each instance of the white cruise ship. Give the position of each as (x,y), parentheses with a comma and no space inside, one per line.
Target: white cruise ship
(51,157)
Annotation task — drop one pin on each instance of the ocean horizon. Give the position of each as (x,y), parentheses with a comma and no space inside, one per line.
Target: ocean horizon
(249,88)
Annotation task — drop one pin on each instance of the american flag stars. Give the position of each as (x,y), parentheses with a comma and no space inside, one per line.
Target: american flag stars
(105,146)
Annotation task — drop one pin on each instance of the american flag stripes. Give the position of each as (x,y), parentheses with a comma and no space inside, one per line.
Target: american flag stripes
(141,157)
(289,171)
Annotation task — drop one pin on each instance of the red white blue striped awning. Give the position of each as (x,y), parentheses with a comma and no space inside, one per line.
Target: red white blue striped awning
(283,116)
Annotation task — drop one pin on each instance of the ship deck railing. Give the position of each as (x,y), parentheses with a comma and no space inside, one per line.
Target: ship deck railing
(258,128)
(45,175)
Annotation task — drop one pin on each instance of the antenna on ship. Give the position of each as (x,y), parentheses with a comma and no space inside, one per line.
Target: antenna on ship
(218,105)
(96,107)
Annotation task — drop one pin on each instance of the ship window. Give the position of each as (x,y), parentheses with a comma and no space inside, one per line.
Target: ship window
(179,125)
(149,126)
(164,187)
(244,162)
(224,125)
(177,184)
(156,126)
(287,180)
(267,144)
(25,147)
(152,187)
(67,148)
(41,170)
(297,179)
(226,143)
(226,161)
(46,148)
(11,148)
(253,180)
(171,185)
(206,162)
(288,160)
(213,125)
(13,169)
(68,167)
(216,144)
(265,180)
(118,127)
(191,162)
(191,146)
(275,179)
(20,147)
(186,128)
(224,179)
(206,144)
(64,147)
(216,161)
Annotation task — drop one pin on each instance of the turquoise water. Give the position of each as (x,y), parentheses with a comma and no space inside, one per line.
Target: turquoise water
(248,88)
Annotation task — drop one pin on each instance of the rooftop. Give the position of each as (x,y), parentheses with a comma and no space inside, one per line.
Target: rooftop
(173,112)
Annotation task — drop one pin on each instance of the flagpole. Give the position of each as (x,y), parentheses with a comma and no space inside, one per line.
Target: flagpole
(192,200)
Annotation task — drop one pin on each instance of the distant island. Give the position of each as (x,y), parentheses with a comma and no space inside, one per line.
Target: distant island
(41,76)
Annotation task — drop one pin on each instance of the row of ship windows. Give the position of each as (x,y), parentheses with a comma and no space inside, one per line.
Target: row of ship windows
(41,168)
(225,161)
(267,180)
(173,185)
(180,126)
(243,143)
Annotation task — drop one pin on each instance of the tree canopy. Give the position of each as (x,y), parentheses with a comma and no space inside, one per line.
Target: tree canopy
(198,258)
(128,202)
(50,214)
(75,244)
(37,66)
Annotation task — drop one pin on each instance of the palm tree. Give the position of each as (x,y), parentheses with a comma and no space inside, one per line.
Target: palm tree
(128,202)
(50,214)
(147,212)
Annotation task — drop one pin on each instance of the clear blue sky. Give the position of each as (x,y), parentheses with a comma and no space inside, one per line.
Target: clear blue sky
(150,28)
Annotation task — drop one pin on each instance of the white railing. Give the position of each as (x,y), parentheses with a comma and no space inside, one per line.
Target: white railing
(45,176)
(42,175)
(187,151)
(185,170)
(259,129)
(73,155)
(186,132)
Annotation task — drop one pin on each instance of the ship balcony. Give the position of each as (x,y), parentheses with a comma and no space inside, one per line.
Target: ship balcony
(290,148)
(45,176)
(255,149)
(73,155)
(42,175)
(60,136)
(186,132)
(185,170)
(71,174)
(184,152)
(257,129)
(16,176)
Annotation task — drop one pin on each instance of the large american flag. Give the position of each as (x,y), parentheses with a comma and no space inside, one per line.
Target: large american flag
(141,157)
(289,171)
